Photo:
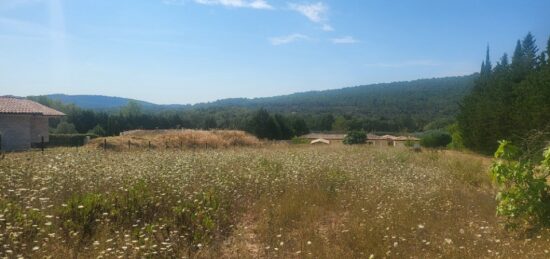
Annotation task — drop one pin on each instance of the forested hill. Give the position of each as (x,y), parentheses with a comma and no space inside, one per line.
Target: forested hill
(400,106)
(425,97)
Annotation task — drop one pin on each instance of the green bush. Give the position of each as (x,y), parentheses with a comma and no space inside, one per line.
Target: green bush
(298,140)
(436,139)
(355,137)
(68,140)
(65,128)
(97,130)
(524,195)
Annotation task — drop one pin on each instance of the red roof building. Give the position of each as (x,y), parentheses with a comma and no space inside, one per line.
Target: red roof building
(23,122)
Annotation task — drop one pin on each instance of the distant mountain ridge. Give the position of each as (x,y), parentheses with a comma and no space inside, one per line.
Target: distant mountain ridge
(96,102)
(423,98)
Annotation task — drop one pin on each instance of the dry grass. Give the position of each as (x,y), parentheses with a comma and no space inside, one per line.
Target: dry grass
(170,139)
(266,202)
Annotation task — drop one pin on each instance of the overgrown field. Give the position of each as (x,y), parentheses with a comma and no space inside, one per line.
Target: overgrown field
(291,202)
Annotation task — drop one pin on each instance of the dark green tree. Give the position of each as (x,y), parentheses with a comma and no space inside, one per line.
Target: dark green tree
(436,139)
(286,131)
(355,137)
(530,50)
(299,125)
(263,126)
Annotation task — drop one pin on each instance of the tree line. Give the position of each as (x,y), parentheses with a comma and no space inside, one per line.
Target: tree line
(510,100)
(132,116)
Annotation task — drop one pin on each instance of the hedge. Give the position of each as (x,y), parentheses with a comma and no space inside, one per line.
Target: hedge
(68,140)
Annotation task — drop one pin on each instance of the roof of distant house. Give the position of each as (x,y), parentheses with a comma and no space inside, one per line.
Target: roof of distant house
(324,136)
(390,137)
(323,141)
(16,105)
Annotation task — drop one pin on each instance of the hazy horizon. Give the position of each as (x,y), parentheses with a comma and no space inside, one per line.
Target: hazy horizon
(192,51)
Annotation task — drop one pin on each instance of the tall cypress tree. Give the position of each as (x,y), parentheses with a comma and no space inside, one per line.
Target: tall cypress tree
(488,65)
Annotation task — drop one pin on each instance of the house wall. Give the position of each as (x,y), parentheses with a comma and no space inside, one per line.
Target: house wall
(15,130)
(399,144)
(381,143)
(39,128)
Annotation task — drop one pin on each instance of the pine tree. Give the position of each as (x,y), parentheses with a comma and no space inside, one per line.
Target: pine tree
(518,54)
(530,50)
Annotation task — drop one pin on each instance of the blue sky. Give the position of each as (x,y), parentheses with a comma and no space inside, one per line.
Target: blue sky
(188,51)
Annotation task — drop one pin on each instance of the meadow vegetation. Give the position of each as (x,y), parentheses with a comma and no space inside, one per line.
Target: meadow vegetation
(295,201)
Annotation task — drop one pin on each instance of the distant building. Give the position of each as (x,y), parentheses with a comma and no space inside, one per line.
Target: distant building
(391,141)
(23,122)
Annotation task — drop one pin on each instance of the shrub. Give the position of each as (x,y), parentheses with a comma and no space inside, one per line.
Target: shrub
(524,192)
(65,128)
(436,139)
(456,136)
(355,137)
(97,130)
(298,140)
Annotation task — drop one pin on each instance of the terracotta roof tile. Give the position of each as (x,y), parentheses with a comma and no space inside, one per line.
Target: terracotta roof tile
(15,105)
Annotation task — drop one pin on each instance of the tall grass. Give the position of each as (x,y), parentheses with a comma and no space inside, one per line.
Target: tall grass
(177,139)
(270,201)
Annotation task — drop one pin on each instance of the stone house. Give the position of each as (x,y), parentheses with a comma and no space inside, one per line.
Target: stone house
(391,141)
(23,123)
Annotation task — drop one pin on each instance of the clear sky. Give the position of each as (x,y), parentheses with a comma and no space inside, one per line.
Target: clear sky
(188,51)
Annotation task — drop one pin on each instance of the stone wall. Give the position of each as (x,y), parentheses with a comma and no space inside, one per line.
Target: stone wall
(15,130)
(39,128)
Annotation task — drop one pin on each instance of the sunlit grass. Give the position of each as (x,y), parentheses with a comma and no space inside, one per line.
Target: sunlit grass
(273,201)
